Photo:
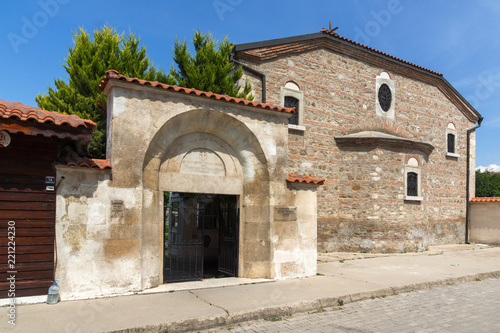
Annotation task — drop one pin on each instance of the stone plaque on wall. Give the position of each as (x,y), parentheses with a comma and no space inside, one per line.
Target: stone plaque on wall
(202,162)
(285,213)
(117,208)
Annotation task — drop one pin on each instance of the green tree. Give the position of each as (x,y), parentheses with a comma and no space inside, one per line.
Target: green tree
(210,69)
(89,59)
(487,184)
(86,64)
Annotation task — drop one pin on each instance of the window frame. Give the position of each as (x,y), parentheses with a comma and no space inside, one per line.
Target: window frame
(418,171)
(299,95)
(296,115)
(382,79)
(451,130)
(410,188)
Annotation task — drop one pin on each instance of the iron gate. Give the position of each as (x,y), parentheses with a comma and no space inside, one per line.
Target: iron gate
(228,240)
(186,218)
(183,260)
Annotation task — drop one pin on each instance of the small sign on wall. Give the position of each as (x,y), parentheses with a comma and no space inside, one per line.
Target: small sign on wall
(285,213)
(50,180)
(117,208)
(4,139)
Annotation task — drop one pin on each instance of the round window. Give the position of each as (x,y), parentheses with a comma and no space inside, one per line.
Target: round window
(385,97)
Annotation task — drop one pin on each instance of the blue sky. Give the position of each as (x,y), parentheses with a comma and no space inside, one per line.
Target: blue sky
(459,38)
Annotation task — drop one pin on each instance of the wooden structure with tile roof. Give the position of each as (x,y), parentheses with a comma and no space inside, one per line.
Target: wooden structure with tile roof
(27,192)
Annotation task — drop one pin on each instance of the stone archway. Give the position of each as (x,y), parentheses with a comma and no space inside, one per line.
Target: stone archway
(240,167)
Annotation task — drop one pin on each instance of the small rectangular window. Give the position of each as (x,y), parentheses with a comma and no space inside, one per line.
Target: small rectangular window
(292,102)
(451,143)
(412,184)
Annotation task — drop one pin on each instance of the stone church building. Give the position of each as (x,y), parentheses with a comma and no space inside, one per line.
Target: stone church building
(393,140)
(344,148)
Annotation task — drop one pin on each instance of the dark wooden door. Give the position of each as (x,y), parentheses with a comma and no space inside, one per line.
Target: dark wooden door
(26,205)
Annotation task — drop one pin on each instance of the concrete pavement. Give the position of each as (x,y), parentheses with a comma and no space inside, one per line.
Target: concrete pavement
(341,276)
(463,308)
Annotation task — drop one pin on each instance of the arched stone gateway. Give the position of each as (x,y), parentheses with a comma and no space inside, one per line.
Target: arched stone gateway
(214,154)
(198,180)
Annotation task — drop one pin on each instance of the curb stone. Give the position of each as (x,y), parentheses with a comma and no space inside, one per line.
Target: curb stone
(204,323)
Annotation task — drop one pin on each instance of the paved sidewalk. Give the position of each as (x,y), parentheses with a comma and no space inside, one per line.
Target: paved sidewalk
(345,276)
(463,308)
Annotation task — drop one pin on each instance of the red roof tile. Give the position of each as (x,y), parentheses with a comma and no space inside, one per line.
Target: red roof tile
(84,162)
(22,112)
(334,34)
(293,178)
(485,199)
(114,75)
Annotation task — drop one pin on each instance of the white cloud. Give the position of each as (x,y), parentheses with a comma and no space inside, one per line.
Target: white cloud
(491,167)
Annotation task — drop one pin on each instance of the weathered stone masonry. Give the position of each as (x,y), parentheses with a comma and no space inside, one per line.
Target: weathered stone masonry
(362,206)
(110,220)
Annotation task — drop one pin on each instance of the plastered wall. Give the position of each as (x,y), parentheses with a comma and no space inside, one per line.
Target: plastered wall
(109,223)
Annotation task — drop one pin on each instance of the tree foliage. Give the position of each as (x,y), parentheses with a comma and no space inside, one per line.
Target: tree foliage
(210,69)
(487,184)
(86,64)
(89,59)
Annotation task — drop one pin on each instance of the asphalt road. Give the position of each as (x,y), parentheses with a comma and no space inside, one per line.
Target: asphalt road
(469,307)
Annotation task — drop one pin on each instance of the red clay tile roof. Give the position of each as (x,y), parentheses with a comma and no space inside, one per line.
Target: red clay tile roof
(84,162)
(24,113)
(114,75)
(293,178)
(485,199)
(334,34)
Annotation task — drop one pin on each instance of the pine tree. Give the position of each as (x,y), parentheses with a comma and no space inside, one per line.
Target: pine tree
(89,59)
(210,69)
(86,64)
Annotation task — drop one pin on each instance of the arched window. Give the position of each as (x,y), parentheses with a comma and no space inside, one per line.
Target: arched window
(413,181)
(451,141)
(292,97)
(292,102)
(412,184)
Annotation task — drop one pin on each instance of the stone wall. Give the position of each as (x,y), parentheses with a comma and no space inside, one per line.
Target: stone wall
(485,222)
(149,161)
(295,235)
(110,223)
(98,246)
(361,207)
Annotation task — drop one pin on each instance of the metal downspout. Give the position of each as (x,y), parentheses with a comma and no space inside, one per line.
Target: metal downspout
(467,195)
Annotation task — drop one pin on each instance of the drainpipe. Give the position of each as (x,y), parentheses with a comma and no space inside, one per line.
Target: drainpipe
(55,236)
(467,196)
(254,71)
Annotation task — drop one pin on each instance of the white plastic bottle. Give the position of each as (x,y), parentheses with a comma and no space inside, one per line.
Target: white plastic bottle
(53,296)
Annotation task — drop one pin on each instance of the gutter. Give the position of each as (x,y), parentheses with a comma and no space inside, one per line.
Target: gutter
(467,195)
(252,70)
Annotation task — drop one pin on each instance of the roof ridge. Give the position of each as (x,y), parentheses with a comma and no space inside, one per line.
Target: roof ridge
(25,112)
(333,34)
(114,75)
(485,199)
(294,178)
(86,162)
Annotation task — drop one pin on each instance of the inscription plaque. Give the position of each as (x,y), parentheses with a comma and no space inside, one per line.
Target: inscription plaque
(285,213)
(202,162)
(117,208)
